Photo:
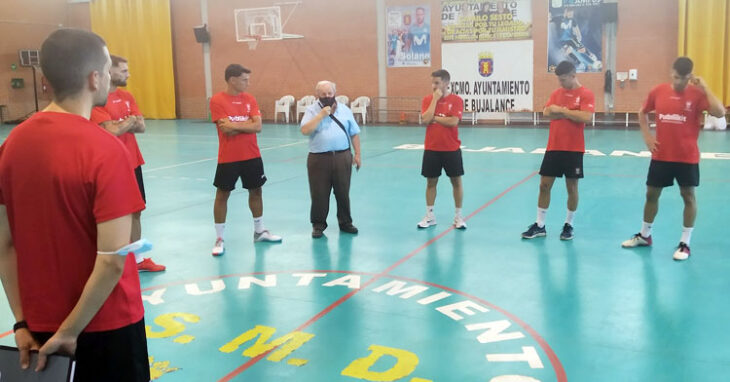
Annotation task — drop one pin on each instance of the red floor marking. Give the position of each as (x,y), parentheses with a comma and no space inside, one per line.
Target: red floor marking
(9,332)
(346,297)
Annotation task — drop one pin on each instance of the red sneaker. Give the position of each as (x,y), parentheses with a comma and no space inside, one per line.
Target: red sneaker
(147,265)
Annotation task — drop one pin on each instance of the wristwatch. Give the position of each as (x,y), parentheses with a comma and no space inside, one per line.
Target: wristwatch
(20,325)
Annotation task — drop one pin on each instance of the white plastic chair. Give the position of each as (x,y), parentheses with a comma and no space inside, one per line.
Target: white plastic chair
(343,99)
(303,103)
(360,106)
(283,105)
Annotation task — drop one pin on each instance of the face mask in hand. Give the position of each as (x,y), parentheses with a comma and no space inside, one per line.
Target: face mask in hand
(327,101)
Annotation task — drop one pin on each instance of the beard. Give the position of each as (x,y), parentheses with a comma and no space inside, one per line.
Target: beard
(119,83)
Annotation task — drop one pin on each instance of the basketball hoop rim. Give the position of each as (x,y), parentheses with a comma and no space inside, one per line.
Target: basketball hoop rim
(254,42)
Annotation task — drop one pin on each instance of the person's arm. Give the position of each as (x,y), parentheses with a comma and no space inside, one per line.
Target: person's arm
(111,235)
(252,126)
(716,108)
(357,161)
(651,143)
(427,116)
(311,125)
(120,127)
(446,121)
(9,276)
(558,112)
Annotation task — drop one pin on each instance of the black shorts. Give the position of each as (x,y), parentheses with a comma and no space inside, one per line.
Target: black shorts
(559,163)
(114,355)
(250,171)
(434,161)
(140,182)
(662,174)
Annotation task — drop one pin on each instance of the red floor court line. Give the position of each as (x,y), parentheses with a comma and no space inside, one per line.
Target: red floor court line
(9,332)
(407,257)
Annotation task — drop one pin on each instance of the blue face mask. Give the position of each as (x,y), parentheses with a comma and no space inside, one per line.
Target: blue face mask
(327,101)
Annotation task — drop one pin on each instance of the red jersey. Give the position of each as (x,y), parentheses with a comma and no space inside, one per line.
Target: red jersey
(438,136)
(119,105)
(677,121)
(238,108)
(565,134)
(60,175)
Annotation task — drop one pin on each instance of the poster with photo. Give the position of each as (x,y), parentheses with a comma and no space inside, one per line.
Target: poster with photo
(575,33)
(409,36)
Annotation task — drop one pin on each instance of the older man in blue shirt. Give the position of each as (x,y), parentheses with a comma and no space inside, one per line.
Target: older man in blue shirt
(332,132)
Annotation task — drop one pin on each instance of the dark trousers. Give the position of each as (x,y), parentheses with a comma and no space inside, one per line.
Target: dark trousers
(329,171)
(118,355)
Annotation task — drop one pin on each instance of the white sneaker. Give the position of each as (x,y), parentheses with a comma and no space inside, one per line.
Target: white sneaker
(682,253)
(459,222)
(637,241)
(265,236)
(218,248)
(427,221)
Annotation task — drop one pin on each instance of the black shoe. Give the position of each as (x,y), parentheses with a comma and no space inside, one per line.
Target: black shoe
(567,233)
(317,233)
(534,231)
(348,228)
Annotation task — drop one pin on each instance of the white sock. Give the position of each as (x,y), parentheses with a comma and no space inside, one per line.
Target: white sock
(686,234)
(569,217)
(458,212)
(541,213)
(138,258)
(429,210)
(258,224)
(219,229)
(646,229)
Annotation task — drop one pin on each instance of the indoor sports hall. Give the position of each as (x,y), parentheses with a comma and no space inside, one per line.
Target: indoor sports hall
(394,301)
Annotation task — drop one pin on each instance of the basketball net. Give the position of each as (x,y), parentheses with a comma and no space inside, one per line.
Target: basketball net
(254,42)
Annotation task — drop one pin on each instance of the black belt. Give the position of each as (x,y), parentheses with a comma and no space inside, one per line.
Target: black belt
(331,152)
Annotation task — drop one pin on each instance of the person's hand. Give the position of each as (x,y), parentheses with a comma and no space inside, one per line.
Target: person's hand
(357,162)
(699,82)
(61,342)
(25,343)
(222,122)
(651,143)
(437,94)
(327,110)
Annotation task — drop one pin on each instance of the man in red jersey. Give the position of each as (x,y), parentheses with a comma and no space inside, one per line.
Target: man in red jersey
(238,119)
(121,117)
(678,107)
(67,195)
(569,108)
(442,111)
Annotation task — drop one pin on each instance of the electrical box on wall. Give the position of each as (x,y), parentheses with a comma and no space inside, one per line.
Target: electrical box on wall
(17,83)
(633,74)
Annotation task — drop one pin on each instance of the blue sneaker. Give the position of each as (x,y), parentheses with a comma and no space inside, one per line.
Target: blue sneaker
(534,231)
(567,233)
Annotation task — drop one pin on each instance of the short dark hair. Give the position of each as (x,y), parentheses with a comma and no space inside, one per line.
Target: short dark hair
(68,56)
(565,67)
(683,66)
(442,74)
(235,70)
(116,60)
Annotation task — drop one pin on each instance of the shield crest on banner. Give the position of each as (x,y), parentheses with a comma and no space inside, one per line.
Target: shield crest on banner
(486,65)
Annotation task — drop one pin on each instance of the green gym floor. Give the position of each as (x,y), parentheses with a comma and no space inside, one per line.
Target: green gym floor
(395,303)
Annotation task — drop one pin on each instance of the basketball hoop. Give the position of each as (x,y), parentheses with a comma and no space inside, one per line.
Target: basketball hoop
(253,41)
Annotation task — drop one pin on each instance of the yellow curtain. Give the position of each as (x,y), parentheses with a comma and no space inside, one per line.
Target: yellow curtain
(140,31)
(704,36)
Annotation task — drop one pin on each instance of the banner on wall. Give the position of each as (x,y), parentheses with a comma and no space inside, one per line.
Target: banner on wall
(486,20)
(409,36)
(575,33)
(491,77)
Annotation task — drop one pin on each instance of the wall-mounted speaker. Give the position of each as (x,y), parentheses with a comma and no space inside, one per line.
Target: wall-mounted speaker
(201,33)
